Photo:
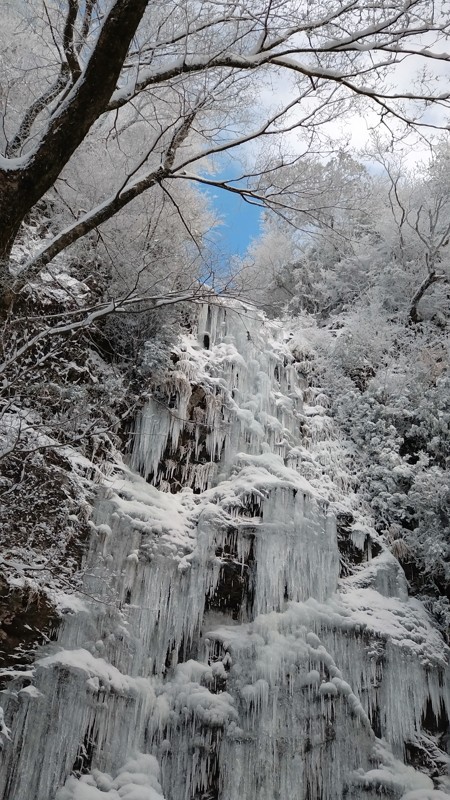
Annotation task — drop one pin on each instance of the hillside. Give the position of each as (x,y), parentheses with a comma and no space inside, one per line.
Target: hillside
(241,628)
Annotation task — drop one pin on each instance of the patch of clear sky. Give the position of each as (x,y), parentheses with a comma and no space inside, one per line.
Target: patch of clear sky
(239,220)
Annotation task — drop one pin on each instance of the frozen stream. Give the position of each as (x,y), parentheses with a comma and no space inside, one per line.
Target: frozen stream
(214,653)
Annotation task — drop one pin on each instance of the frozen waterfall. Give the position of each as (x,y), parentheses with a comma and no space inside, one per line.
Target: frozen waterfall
(214,653)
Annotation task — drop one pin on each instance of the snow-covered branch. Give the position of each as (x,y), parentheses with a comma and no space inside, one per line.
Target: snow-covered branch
(93,315)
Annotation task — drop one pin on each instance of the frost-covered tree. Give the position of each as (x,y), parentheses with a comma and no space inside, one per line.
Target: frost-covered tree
(318,256)
(372,275)
(369,228)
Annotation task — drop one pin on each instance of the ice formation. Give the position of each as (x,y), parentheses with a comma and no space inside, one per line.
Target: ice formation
(214,652)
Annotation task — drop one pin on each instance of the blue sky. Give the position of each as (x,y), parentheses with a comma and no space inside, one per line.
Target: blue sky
(240,220)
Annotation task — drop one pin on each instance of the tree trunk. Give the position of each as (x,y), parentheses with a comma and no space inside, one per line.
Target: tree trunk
(414,316)
(14,206)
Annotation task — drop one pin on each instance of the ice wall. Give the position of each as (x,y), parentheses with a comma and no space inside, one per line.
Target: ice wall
(214,652)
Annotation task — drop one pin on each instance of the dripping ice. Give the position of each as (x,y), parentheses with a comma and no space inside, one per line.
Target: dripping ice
(214,652)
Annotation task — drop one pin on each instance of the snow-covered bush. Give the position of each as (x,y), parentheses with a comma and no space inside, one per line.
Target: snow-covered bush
(390,394)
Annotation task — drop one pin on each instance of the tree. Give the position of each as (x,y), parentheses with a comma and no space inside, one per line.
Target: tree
(313,258)
(377,226)
(109,62)
(359,279)
(420,217)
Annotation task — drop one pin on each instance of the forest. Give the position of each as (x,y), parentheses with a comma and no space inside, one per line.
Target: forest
(121,119)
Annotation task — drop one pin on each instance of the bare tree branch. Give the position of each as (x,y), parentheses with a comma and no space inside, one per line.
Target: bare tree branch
(14,147)
(68,40)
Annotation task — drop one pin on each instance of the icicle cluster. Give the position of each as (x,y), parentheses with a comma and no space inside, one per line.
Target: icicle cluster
(216,653)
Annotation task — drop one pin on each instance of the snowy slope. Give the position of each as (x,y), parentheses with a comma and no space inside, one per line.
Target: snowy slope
(217,653)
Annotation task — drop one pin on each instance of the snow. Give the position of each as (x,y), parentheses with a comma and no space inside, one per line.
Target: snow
(214,650)
(393,777)
(4,730)
(137,780)
(30,691)
(81,660)
(69,603)
(13,164)
(421,794)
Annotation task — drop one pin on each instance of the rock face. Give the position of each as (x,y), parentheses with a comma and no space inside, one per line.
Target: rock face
(216,653)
